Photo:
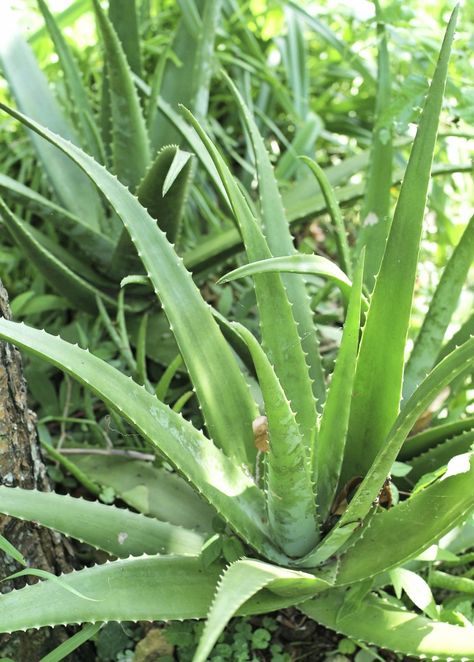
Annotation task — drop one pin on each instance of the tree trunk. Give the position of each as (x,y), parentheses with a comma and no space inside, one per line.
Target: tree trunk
(21,465)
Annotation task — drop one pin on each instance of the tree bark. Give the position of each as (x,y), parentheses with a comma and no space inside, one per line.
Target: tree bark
(21,465)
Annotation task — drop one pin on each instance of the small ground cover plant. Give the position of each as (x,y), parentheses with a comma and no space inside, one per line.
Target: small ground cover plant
(299,506)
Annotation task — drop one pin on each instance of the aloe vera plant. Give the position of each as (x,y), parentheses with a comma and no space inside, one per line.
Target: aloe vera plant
(305,496)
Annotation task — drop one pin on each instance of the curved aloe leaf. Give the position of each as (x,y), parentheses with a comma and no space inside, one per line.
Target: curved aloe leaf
(77,92)
(115,530)
(32,94)
(362,502)
(241,581)
(59,276)
(443,304)
(283,347)
(438,456)
(164,189)
(148,588)
(313,265)
(290,499)
(335,214)
(427,439)
(228,488)
(378,381)
(280,242)
(440,507)
(96,246)
(379,622)
(375,220)
(226,404)
(148,489)
(329,453)
(130,146)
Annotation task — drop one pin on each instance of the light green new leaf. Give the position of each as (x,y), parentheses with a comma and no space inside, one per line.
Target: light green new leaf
(225,485)
(381,623)
(290,499)
(280,242)
(283,345)
(241,581)
(329,453)
(78,97)
(226,402)
(443,304)
(416,588)
(115,530)
(12,551)
(32,94)
(378,381)
(66,282)
(130,146)
(306,265)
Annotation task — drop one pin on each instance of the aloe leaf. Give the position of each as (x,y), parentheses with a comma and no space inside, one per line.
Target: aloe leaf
(115,530)
(151,491)
(78,97)
(32,94)
(241,581)
(423,441)
(381,623)
(96,246)
(329,453)
(335,214)
(63,19)
(188,82)
(360,505)
(283,347)
(443,304)
(71,644)
(306,265)
(130,146)
(12,551)
(231,490)
(164,189)
(290,499)
(441,376)
(151,588)
(440,506)
(464,333)
(438,456)
(123,16)
(58,275)
(375,220)
(280,243)
(378,381)
(227,405)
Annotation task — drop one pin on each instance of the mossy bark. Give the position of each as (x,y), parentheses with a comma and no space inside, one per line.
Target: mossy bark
(21,465)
